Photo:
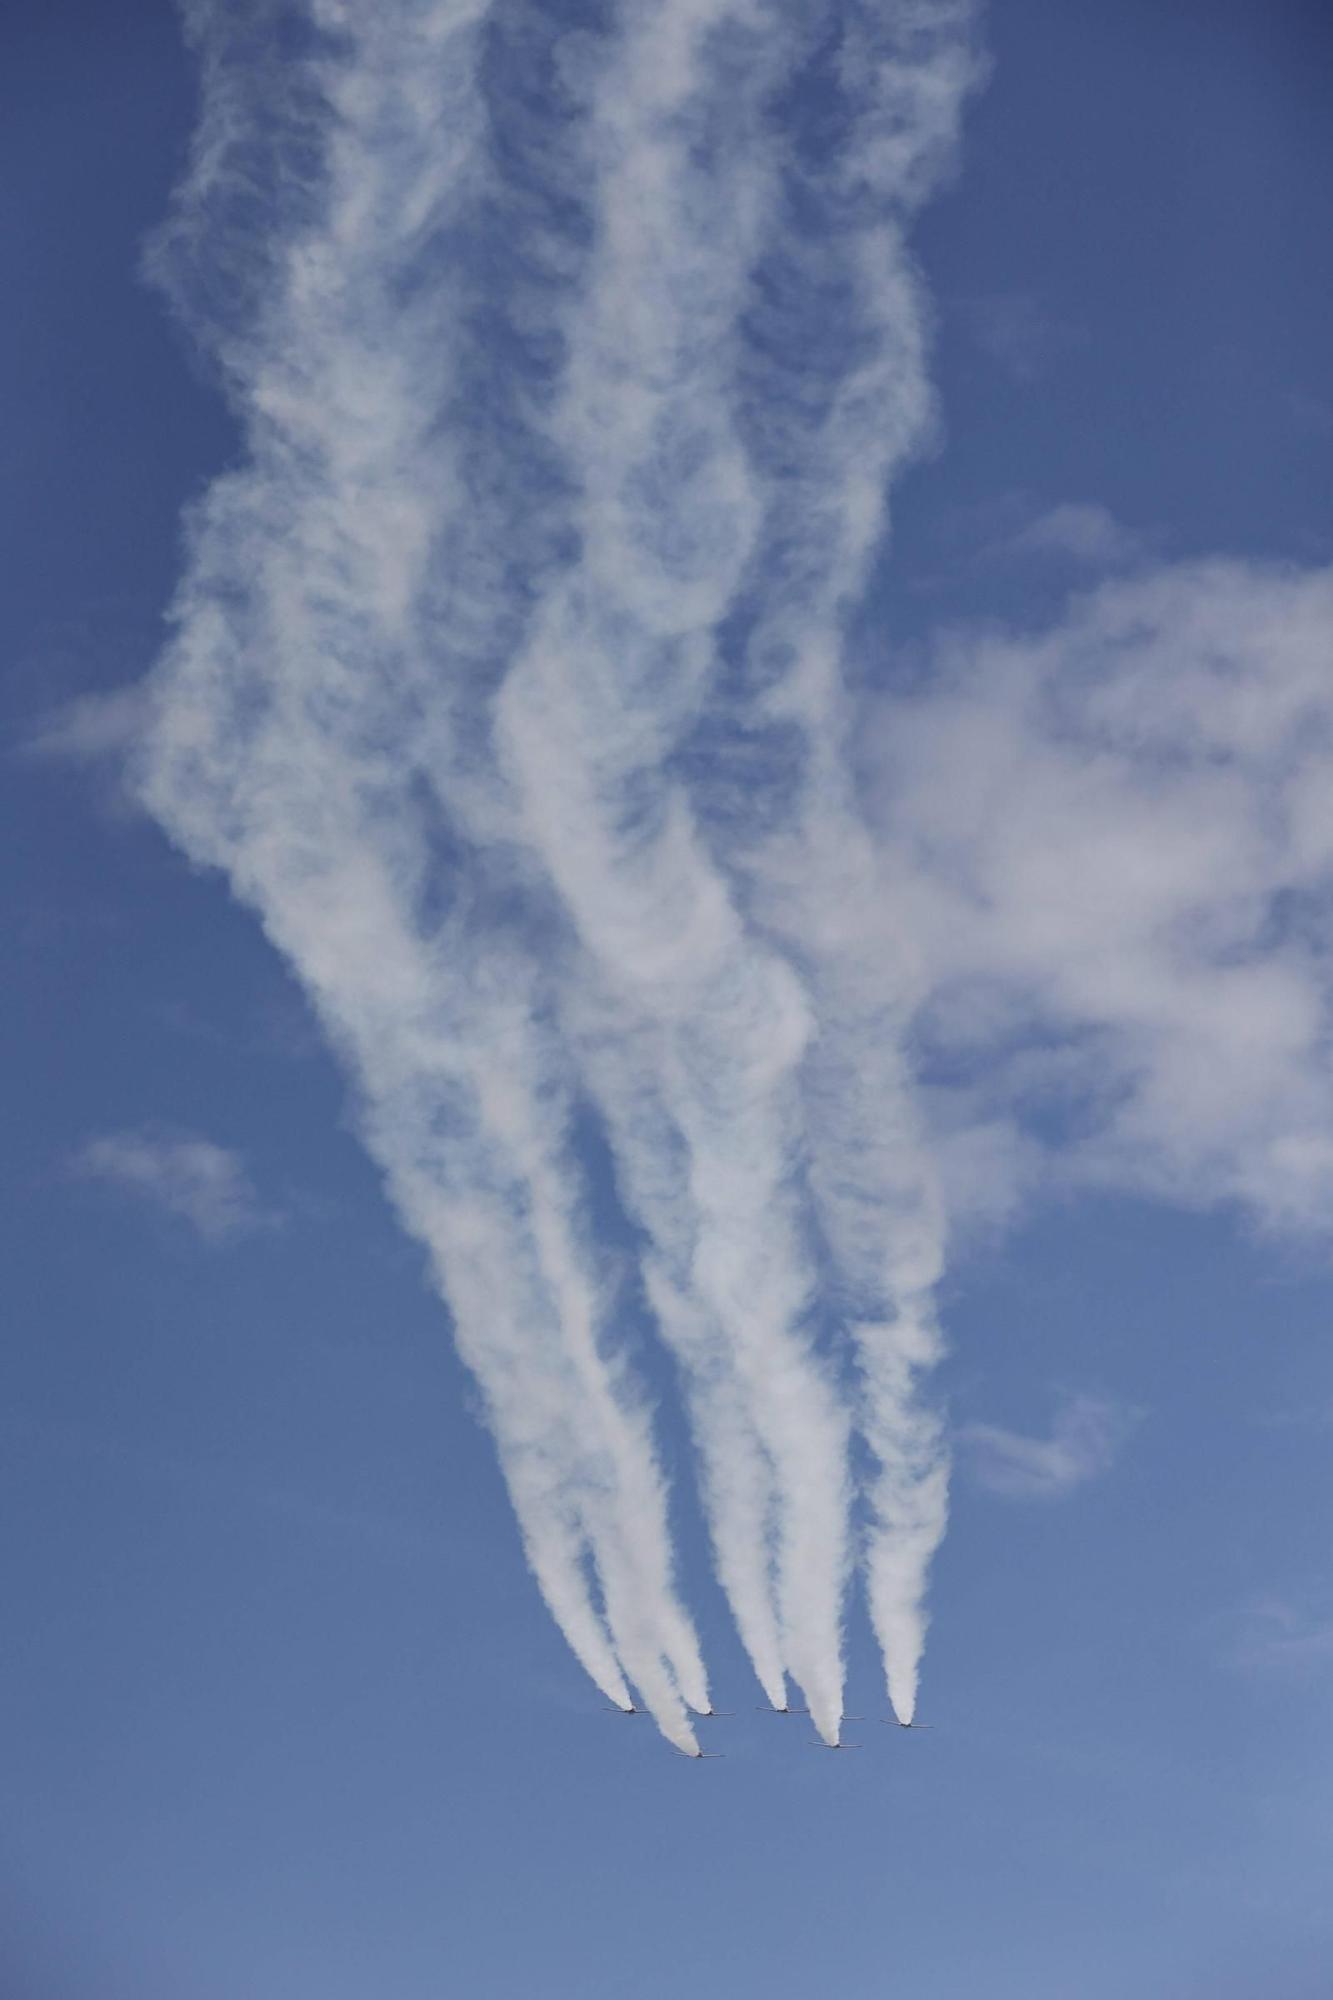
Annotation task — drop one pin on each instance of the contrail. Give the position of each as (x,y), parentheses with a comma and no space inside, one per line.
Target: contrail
(736,1473)
(698,1040)
(830,433)
(305,726)
(507,688)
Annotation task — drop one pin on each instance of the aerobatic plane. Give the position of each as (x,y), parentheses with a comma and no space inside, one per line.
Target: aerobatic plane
(820,1744)
(892,1722)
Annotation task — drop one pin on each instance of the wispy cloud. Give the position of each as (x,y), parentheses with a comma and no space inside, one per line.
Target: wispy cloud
(1279,1636)
(276,1025)
(1315,1417)
(200,1183)
(1084,1440)
(1077,531)
(1019,333)
(90,728)
(1111,841)
(1014,540)
(96,734)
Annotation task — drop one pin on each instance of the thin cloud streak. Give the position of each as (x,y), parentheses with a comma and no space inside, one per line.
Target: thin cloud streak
(91,729)
(1085,1439)
(179,1174)
(1078,531)
(1281,1638)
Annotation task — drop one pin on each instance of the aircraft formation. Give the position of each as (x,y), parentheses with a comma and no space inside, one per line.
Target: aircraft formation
(817,1743)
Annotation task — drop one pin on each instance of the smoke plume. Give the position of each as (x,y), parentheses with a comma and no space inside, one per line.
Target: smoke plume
(572,370)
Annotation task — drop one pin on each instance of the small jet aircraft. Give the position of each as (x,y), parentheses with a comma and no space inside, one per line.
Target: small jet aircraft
(892,1722)
(788,1710)
(707,1714)
(820,1744)
(703,1756)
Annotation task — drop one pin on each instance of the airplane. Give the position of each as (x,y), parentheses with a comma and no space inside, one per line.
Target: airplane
(706,1714)
(892,1722)
(614,1708)
(820,1744)
(703,1756)
(767,1709)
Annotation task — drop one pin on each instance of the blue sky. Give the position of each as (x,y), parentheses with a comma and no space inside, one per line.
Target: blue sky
(287,1714)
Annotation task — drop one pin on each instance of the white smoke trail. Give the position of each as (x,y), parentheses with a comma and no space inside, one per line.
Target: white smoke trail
(839,440)
(735,1472)
(287,747)
(504,553)
(697,1043)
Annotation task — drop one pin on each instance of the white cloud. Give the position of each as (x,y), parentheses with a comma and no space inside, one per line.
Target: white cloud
(1111,842)
(90,729)
(1077,530)
(201,1183)
(1085,1437)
